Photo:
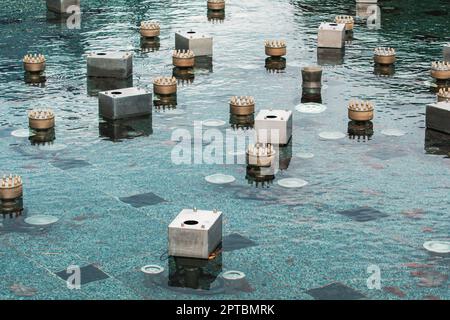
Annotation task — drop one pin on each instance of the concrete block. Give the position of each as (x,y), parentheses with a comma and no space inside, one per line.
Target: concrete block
(273,125)
(366,1)
(124,103)
(200,43)
(110,65)
(331,35)
(60,6)
(438,116)
(195,233)
(447,52)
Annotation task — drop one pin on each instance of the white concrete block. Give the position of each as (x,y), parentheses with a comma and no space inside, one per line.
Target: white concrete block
(195,233)
(438,116)
(200,43)
(124,103)
(273,126)
(331,35)
(110,65)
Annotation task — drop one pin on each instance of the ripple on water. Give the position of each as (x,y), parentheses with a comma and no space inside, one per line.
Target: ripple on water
(41,220)
(22,133)
(311,108)
(331,135)
(393,132)
(213,123)
(219,178)
(292,183)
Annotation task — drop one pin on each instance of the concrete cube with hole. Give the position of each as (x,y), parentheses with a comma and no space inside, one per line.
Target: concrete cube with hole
(110,65)
(195,233)
(331,35)
(124,103)
(201,44)
(273,126)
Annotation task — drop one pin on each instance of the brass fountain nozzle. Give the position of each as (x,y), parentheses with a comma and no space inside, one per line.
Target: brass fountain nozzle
(347,20)
(384,55)
(150,29)
(10,187)
(165,85)
(260,154)
(41,119)
(34,63)
(440,70)
(216,4)
(275,48)
(242,105)
(360,110)
(443,94)
(183,58)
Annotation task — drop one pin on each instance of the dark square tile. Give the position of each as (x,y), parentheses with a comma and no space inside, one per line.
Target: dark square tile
(235,241)
(363,214)
(335,291)
(67,164)
(142,200)
(89,273)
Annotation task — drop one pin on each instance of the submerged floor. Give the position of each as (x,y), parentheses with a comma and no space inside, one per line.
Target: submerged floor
(368,202)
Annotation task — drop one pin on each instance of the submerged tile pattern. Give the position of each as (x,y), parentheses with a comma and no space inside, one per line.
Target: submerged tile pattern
(142,200)
(363,214)
(335,291)
(89,273)
(235,241)
(67,164)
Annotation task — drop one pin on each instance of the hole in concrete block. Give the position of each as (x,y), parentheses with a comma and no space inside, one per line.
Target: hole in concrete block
(191,32)
(191,222)
(333,24)
(116,92)
(101,54)
(271,117)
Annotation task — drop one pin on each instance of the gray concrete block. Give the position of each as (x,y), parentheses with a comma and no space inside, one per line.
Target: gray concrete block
(195,233)
(60,6)
(447,52)
(273,126)
(124,103)
(110,65)
(200,43)
(331,35)
(438,116)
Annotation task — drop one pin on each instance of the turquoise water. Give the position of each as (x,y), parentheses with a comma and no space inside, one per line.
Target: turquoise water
(290,240)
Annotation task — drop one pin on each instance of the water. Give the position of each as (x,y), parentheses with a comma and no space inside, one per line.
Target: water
(368,202)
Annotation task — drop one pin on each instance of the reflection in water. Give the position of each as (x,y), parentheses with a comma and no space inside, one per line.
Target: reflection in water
(260,176)
(184,75)
(360,130)
(275,64)
(311,96)
(117,130)
(11,208)
(437,142)
(42,137)
(35,78)
(96,85)
(204,63)
(216,16)
(194,273)
(348,38)
(440,84)
(242,122)
(330,56)
(384,70)
(150,44)
(285,155)
(162,103)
